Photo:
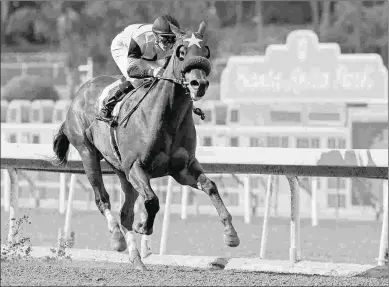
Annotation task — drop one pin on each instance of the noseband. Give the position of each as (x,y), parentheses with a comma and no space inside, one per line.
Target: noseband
(184,84)
(180,81)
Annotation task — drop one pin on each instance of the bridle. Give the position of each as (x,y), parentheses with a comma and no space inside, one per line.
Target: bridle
(177,80)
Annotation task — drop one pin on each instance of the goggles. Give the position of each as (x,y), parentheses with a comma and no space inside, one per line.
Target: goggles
(166,39)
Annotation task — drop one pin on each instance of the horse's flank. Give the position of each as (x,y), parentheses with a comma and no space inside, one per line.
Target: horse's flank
(84,108)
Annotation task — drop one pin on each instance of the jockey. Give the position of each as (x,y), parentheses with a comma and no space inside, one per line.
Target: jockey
(135,51)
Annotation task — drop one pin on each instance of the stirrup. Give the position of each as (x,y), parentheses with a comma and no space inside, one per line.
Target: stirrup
(114,122)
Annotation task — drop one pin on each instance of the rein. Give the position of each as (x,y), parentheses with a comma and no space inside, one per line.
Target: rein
(125,119)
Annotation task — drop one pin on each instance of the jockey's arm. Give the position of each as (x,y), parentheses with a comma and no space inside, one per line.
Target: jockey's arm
(134,67)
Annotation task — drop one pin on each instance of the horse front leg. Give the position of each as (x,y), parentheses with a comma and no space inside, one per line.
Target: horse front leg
(140,180)
(145,245)
(193,175)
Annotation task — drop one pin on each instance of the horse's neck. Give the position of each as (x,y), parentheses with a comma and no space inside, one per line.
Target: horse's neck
(166,104)
(175,101)
(172,102)
(180,103)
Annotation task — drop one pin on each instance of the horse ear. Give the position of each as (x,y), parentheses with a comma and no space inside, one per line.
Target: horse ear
(201,28)
(176,30)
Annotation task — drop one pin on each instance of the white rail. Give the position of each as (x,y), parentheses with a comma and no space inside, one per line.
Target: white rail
(289,162)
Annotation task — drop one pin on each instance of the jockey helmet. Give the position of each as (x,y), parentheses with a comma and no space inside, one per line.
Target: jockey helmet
(161,25)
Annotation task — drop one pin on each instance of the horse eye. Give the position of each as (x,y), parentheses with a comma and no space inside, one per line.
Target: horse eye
(182,53)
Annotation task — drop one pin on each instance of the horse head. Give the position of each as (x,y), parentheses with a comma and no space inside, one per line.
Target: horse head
(190,61)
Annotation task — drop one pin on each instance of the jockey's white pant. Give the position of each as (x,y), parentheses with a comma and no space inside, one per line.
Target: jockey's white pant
(119,52)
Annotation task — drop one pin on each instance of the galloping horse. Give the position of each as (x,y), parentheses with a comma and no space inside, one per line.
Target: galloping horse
(155,137)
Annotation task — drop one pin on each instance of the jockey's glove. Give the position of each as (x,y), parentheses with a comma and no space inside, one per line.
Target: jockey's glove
(158,72)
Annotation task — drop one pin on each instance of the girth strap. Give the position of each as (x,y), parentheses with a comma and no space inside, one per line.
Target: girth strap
(113,140)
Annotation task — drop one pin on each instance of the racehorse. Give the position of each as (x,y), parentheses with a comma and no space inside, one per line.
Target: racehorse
(155,137)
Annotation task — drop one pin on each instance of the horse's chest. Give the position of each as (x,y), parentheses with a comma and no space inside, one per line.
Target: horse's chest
(163,164)
(159,165)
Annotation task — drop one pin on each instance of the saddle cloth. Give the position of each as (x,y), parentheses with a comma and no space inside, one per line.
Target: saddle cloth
(108,90)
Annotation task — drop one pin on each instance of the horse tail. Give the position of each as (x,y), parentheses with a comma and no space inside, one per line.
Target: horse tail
(61,147)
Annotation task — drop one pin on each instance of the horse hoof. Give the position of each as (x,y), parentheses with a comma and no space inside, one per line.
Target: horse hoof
(145,249)
(231,240)
(140,267)
(136,261)
(146,254)
(118,242)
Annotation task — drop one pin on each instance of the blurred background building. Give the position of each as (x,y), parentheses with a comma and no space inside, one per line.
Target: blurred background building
(270,86)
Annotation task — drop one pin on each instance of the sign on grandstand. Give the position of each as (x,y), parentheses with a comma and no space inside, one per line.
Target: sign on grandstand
(304,70)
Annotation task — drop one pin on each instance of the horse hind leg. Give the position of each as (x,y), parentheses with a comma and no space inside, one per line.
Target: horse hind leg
(145,247)
(91,163)
(127,219)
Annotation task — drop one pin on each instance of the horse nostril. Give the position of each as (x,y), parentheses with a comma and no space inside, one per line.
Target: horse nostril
(195,84)
(206,83)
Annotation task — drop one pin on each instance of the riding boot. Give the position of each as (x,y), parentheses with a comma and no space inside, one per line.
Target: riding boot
(106,112)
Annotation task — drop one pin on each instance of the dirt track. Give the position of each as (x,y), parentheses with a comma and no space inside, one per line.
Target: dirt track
(73,273)
(331,241)
(336,241)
